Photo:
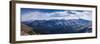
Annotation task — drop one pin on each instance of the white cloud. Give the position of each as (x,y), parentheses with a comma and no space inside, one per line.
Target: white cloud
(87,15)
(57,15)
(34,16)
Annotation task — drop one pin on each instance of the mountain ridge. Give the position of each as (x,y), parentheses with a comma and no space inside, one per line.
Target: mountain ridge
(60,26)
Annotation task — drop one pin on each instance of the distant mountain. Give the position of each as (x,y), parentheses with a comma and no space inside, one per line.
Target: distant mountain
(55,26)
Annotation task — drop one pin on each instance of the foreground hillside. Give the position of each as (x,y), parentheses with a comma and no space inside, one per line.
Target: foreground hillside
(26,30)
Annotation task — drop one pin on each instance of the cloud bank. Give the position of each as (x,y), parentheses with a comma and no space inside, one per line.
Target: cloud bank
(72,14)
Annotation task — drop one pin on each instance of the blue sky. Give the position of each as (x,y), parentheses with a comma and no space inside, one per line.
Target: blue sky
(47,14)
(26,10)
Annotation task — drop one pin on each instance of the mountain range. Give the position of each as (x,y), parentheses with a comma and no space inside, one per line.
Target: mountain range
(60,26)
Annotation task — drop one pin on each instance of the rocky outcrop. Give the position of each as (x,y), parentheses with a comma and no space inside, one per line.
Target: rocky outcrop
(26,30)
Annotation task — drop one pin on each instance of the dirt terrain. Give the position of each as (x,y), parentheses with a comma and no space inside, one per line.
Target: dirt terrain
(26,30)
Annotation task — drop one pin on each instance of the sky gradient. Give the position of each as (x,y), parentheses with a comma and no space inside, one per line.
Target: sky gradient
(47,14)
